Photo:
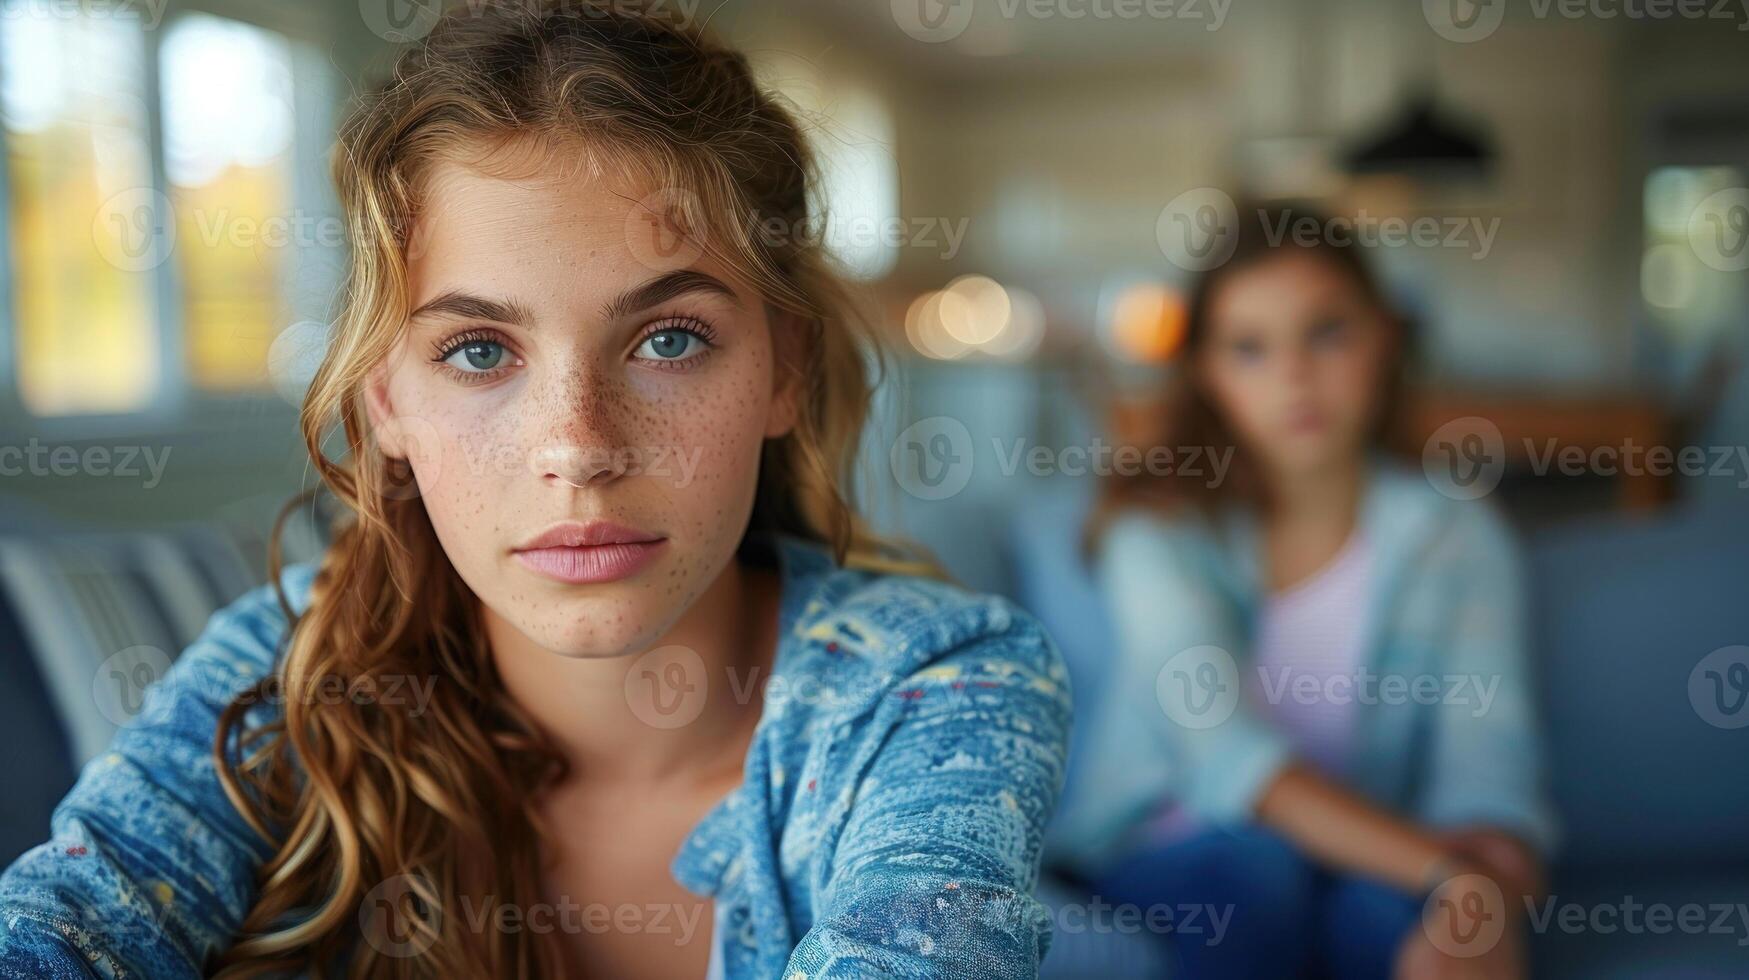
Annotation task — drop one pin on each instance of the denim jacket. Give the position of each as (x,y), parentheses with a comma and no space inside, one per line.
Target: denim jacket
(889,822)
(1446,727)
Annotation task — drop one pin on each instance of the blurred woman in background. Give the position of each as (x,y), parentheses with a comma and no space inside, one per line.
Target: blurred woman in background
(1321,720)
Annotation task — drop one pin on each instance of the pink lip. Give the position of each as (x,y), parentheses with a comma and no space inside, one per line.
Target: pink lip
(587,553)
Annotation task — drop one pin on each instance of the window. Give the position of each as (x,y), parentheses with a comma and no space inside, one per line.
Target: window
(851,131)
(1697,224)
(155,227)
(227,94)
(85,222)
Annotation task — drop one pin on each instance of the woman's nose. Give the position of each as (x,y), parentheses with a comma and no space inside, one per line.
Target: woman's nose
(580,466)
(583,442)
(1297,365)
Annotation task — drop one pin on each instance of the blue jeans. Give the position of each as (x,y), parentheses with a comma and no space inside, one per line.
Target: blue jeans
(1283,915)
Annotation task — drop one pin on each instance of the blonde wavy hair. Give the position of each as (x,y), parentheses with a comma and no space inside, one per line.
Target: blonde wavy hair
(353,795)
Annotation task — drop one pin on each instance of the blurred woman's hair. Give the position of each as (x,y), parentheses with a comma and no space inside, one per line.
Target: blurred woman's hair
(422,811)
(1189,417)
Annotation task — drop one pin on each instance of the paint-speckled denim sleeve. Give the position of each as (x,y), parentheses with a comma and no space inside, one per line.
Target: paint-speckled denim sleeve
(149,869)
(934,872)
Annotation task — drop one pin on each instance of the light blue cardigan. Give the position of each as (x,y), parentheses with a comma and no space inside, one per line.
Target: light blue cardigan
(889,823)
(1448,610)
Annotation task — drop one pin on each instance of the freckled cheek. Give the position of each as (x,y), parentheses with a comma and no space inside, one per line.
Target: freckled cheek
(718,417)
(469,441)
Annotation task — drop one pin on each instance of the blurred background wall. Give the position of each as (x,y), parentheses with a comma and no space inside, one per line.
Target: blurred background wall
(173,248)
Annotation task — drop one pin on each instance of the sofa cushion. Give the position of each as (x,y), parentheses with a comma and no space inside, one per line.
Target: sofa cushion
(35,754)
(1652,926)
(1056,586)
(87,621)
(1624,613)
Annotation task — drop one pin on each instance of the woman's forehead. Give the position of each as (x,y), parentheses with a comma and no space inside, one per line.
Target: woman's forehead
(540,236)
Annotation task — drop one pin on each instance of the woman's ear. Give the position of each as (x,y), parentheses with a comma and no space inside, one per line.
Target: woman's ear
(787,330)
(384,424)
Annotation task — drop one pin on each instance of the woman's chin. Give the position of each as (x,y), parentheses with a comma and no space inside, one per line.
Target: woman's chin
(594,629)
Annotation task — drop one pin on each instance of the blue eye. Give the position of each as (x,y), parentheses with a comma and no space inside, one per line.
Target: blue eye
(674,344)
(476,356)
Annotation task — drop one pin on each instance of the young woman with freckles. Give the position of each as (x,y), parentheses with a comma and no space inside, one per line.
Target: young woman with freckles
(1267,746)
(628,422)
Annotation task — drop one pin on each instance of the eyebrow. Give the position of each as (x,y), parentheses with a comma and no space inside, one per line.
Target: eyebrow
(469,307)
(658,290)
(664,288)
